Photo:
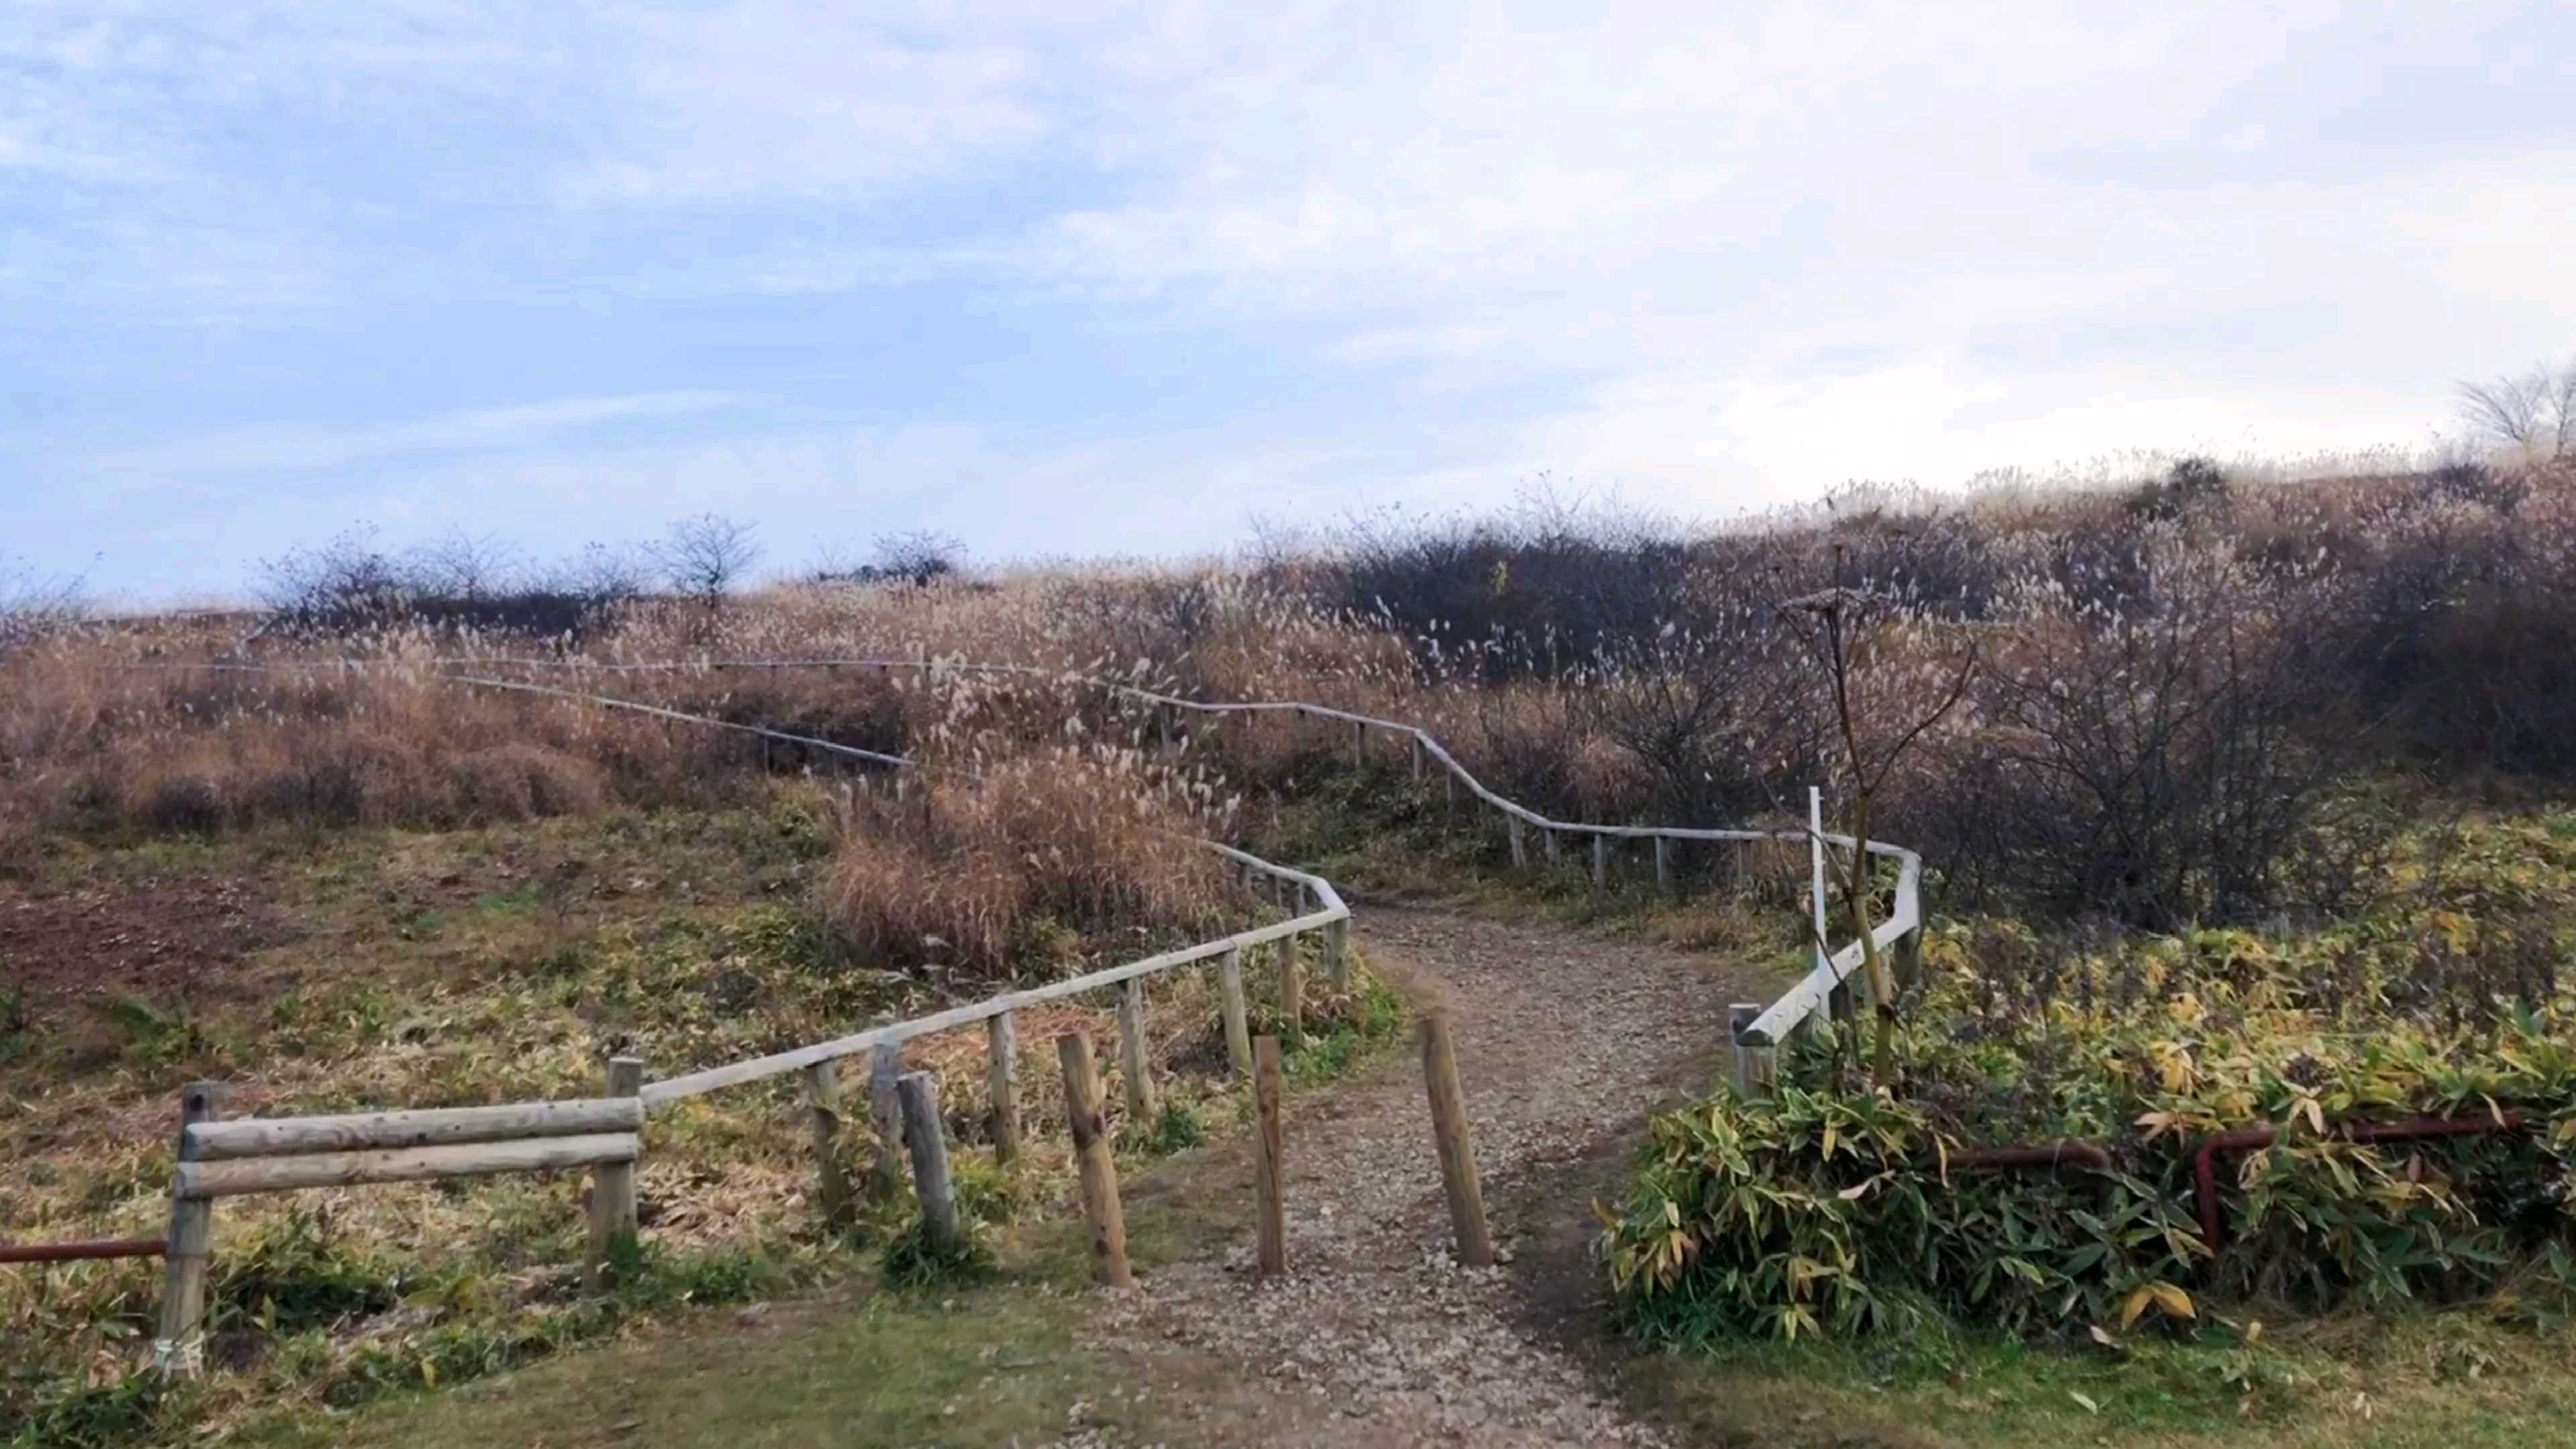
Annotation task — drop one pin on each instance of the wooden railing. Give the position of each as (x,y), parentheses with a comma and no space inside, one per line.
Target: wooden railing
(220,1158)
(1765,1029)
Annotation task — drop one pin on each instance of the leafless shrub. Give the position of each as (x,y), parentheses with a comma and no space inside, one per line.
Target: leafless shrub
(918,557)
(2159,762)
(2534,411)
(705,558)
(469,567)
(33,606)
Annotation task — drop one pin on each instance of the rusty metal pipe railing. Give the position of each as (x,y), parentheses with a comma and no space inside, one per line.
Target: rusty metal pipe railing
(2204,1159)
(78,1249)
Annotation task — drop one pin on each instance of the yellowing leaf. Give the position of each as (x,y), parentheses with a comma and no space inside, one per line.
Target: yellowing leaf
(2172,1300)
(2136,1304)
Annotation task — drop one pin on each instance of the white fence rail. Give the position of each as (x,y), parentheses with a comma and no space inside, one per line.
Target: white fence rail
(223,1158)
(1810,995)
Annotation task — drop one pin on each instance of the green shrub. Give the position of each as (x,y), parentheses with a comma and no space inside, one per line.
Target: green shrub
(1832,1208)
(914,1260)
(294,1275)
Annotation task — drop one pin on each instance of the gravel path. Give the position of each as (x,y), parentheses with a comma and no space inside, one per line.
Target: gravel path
(1376,1335)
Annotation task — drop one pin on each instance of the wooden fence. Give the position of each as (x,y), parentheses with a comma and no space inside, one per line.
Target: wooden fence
(220,1158)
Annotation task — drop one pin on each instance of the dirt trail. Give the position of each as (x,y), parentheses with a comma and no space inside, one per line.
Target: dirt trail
(1377,1336)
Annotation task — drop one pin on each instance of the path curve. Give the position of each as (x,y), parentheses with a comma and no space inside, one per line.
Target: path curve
(1564,1039)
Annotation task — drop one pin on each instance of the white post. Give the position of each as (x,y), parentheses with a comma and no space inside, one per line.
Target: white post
(1816,854)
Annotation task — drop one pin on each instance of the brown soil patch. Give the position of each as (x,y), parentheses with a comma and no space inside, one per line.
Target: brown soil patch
(163,939)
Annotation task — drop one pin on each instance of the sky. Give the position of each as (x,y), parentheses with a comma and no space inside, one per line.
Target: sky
(1122,282)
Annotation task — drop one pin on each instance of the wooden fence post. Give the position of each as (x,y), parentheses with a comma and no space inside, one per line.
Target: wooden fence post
(179,1351)
(1417,759)
(823,1101)
(1520,853)
(1449,791)
(612,1184)
(1272,1230)
(1359,746)
(1909,959)
(1132,1053)
(885,1110)
(1457,1150)
(1601,862)
(1002,1045)
(1663,863)
(928,1143)
(1554,848)
(1754,1065)
(1292,992)
(1099,1170)
(1238,1030)
(1337,952)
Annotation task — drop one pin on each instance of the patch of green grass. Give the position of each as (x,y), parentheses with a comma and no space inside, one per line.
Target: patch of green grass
(2411,1381)
(1175,1128)
(914,1260)
(985,1359)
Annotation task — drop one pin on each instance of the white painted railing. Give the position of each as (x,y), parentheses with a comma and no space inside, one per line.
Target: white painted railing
(288,1153)
(1810,995)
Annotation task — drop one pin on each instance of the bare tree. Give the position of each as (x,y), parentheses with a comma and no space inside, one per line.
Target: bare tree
(920,555)
(32,605)
(466,566)
(702,558)
(601,574)
(2535,411)
(346,582)
(1876,720)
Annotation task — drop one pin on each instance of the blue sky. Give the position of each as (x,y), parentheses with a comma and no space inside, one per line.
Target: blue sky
(1119,282)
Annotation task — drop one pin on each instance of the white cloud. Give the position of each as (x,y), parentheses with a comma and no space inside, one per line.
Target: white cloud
(277,449)
(1715,255)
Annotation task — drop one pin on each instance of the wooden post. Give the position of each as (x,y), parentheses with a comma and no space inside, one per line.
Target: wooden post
(1099,1171)
(1132,1055)
(1238,1030)
(179,1351)
(1520,854)
(1754,1065)
(1359,746)
(1601,862)
(1272,1230)
(823,1101)
(922,1135)
(1449,791)
(1163,724)
(1909,959)
(1417,759)
(1337,952)
(1664,863)
(1554,849)
(1292,992)
(612,1184)
(1457,1151)
(1002,1045)
(885,1110)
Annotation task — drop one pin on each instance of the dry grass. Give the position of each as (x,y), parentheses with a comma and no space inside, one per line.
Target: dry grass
(980,878)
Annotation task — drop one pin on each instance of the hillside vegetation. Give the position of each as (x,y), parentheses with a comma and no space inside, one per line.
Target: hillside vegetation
(2198,740)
